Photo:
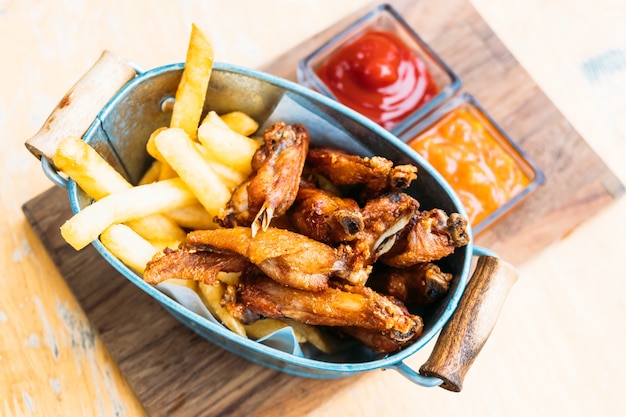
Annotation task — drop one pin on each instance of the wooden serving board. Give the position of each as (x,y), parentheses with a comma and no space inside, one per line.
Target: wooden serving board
(176,372)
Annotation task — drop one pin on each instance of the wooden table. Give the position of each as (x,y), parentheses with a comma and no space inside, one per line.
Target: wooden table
(557,349)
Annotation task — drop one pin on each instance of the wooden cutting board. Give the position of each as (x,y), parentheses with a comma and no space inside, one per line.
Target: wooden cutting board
(175,372)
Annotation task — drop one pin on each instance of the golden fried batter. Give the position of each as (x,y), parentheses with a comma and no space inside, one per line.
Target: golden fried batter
(417,285)
(376,174)
(273,185)
(434,236)
(384,218)
(289,258)
(324,216)
(198,266)
(345,306)
(379,341)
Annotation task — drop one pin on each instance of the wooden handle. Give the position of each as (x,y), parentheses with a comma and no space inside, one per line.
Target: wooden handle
(464,335)
(81,104)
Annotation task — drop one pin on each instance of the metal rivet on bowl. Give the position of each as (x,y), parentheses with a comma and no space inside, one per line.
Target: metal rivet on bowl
(167,104)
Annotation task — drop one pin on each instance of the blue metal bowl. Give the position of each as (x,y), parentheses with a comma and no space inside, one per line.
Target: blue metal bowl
(120,133)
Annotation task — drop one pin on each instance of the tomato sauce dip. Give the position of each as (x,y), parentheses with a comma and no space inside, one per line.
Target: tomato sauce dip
(471,158)
(378,76)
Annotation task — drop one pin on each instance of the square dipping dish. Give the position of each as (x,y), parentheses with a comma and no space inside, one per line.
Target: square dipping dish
(485,167)
(380,67)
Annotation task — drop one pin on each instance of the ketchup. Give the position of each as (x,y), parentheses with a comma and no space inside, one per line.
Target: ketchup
(473,162)
(379,77)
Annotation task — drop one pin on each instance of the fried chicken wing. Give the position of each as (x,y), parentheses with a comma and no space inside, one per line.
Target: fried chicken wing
(198,266)
(378,341)
(434,236)
(273,185)
(376,174)
(324,216)
(288,258)
(417,285)
(346,306)
(384,218)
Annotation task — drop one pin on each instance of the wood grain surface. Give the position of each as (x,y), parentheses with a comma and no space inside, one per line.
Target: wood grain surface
(175,372)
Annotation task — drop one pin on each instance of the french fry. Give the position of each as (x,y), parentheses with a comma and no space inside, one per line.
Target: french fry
(303,332)
(158,229)
(128,246)
(91,172)
(264,327)
(240,122)
(229,278)
(181,154)
(229,176)
(166,172)
(193,85)
(212,295)
(86,225)
(151,147)
(152,174)
(225,145)
(193,217)
(98,179)
(311,334)
(189,283)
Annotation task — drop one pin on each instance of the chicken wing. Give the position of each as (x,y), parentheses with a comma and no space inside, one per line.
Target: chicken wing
(324,216)
(378,341)
(192,265)
(375,174)
(273,185)
(417,285)
(345,306)
(384,218)
(288,258)
(434,236)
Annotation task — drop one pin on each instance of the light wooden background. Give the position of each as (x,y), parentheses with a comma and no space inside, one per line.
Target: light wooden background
(558,348)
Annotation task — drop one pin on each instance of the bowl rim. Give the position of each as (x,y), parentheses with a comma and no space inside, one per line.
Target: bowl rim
(300,362)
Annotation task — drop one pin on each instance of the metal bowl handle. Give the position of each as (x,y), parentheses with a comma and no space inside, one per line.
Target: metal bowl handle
(80,106)
(462,338)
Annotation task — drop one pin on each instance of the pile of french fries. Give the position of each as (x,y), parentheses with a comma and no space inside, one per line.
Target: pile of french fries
(197,164)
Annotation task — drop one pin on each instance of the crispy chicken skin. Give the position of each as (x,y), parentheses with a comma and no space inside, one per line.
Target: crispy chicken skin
(343,306)
(384,218)
(379,341)
(376,174)
(324,216)
(191,265)
(273,185)
(433,236)
(289,258)
(417,285)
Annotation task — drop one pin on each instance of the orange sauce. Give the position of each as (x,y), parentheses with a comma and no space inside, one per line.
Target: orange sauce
(473,162)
